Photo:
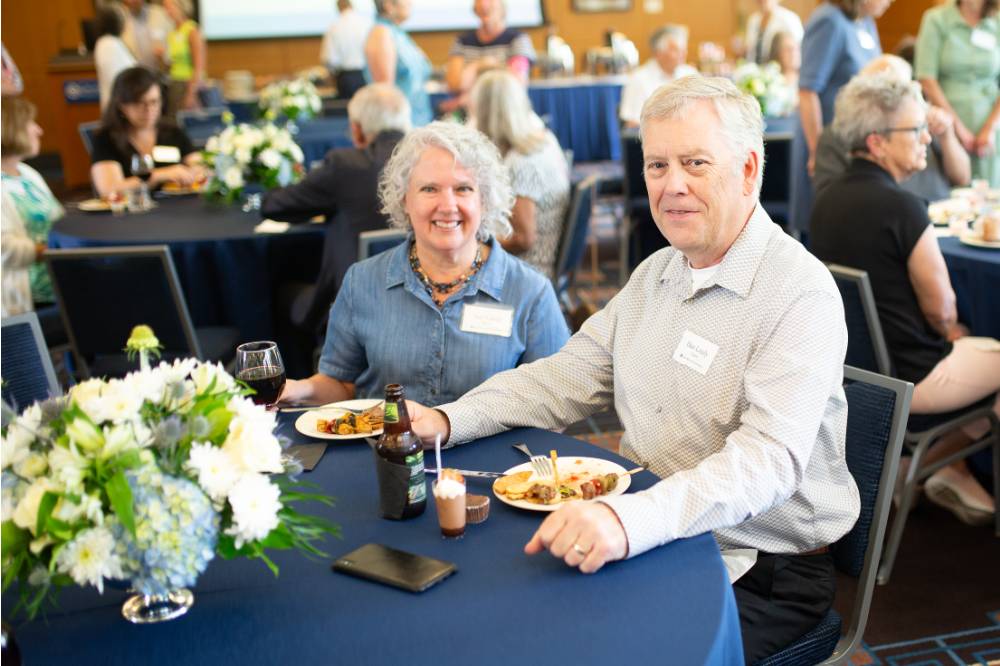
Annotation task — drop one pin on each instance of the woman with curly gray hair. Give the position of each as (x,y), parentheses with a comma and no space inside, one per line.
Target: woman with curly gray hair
(448,308)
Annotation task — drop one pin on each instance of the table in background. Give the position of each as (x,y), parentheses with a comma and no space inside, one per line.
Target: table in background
(975,277)
(228,272)
(674,603)
(581,111)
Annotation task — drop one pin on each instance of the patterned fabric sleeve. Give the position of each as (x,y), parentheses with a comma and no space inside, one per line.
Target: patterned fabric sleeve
(522,46)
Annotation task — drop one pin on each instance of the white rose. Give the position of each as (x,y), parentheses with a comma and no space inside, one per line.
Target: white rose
(270,158)
(251,447)
(255,501)
(26,513)
(233,178)
(31,466)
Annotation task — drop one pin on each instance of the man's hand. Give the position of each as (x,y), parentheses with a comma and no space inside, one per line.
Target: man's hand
(583,535)
(427,423)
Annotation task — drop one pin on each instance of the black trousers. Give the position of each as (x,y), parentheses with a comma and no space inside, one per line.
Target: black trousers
(781,599)
(349,81)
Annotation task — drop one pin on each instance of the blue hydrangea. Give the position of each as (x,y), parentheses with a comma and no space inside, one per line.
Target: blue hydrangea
(176,532)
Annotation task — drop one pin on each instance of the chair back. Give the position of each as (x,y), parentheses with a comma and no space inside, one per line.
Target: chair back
(87,131)
(633,182)
(877,409)
(26,368)
(210,95)
(574,237)
(866,348)
(375,242)
(201,124)
(104,292)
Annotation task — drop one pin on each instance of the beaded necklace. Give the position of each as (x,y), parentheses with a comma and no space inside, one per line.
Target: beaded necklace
(442,288)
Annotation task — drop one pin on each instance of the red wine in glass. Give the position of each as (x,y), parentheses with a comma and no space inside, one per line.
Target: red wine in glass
(259,366)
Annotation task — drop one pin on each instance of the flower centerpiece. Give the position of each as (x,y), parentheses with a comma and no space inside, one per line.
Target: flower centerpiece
(295,100)
(145,479)
(768,86)
(245,156)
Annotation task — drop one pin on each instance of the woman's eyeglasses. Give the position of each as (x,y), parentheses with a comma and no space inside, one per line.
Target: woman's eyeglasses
(917,131)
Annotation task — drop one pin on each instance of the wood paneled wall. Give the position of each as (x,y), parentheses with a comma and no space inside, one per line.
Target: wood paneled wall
(36,30)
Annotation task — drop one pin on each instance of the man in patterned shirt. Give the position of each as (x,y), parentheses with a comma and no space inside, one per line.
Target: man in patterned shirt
(723,357)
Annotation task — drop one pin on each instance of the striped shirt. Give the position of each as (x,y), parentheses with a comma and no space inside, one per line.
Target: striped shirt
(509,44)
(732,392)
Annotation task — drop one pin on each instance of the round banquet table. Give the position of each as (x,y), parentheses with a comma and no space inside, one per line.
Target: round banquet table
(229,273)
(975,277)
(673,604)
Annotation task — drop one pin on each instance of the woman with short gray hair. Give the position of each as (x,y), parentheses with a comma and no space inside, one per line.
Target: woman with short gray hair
(865,220)
(447,308)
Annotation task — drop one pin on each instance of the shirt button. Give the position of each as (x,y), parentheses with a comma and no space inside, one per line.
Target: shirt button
(659,409)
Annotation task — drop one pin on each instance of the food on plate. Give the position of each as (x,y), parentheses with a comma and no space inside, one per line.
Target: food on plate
(177,188)
(349,423)
(573,482)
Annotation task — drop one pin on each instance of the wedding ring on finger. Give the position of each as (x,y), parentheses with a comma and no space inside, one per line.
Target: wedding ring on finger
(580,550)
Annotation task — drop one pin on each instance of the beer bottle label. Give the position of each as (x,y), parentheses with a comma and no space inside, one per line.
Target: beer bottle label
(391,413)
(417,491)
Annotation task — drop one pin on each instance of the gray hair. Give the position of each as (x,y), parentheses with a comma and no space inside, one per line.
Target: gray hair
(669,32)
(503,112)
(473,151)
(866,105)
(739,113)
(888,63)
(379,107)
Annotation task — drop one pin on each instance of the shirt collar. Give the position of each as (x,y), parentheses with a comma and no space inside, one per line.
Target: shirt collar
(489,279)
(738,268)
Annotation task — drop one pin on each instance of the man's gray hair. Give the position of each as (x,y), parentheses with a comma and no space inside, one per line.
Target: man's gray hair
(867,104)
(739,113)
(669,32)
(379,107)
(471,150)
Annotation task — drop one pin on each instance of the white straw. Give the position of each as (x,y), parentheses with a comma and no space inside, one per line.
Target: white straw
(437,452)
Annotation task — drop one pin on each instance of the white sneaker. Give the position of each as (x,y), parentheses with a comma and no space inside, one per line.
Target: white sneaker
(950,489)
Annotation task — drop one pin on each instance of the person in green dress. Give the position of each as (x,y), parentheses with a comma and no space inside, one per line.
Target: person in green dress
(958,65)
(29,209)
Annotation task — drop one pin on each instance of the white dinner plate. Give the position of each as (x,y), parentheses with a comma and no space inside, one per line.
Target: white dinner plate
(977,241)
(566,466)
(94,206)
(306,423)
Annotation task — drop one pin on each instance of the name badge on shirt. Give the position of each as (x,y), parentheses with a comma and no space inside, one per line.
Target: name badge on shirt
(488,319)
(983,39)
(695,352)
(865,39)
(166,154)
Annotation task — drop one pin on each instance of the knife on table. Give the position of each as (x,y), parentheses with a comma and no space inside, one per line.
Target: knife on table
(469,472)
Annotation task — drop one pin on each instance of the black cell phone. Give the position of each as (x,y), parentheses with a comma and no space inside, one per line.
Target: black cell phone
(398,568)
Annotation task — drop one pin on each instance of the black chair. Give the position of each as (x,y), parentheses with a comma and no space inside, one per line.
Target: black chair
(210,96)
(573,242)
(104,292)
(26,368)
(866,348)
(640,235)
(377,241)
(775,191)
(877,410)
(201,124)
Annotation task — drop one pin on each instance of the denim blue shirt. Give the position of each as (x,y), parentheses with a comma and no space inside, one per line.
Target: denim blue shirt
(384,327)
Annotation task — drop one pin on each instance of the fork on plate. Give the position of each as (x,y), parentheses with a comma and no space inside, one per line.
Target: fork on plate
(541,464)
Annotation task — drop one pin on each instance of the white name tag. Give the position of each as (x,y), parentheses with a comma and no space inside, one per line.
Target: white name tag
(166,154)
(488,319)
(983,39)
(695,352)
(865,39)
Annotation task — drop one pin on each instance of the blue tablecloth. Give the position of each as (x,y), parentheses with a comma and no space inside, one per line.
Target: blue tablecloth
(671,605)
(228,273)
(975,277)
(582,112)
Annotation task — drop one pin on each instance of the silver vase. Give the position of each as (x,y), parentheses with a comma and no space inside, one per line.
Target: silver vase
(149,608)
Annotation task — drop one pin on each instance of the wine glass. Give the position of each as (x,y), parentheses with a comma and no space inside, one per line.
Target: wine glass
(142,168)
(259,366)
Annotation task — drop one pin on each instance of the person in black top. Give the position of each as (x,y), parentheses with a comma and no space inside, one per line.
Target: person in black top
(345,190)
(865,220)
(133,124)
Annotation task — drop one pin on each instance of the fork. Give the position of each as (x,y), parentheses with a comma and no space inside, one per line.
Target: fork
(541,464)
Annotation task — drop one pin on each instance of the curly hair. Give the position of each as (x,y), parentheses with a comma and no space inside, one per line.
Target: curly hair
(866,105)
(473,151)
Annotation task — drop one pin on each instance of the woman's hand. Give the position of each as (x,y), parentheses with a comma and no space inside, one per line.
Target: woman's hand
(985,141)
(965,136)
(175,173)
(294,391)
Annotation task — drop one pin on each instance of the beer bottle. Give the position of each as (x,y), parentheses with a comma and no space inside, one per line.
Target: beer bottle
(399,461)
